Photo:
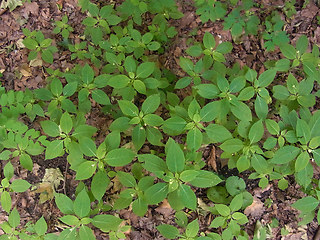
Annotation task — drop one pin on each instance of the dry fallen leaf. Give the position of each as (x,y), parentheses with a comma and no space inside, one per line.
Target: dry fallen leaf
(25,70)
(256,209)
(212,159)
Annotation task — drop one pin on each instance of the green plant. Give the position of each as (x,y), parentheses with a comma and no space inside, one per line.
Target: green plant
(63,27)
(39,46)
(148,148)
(274,34)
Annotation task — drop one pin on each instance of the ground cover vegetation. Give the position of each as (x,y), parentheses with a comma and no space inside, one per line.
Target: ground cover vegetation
(261,124)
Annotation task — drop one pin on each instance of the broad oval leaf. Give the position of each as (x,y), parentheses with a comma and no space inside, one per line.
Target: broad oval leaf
(119,157)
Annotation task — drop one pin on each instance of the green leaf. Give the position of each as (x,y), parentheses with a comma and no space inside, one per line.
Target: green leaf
(288,51)
(266,78)
(126,179)
(56,87)
(205,179)
(195,50)
(241,111)
(47,56)
(186,64)
(285,155)
(152,120)
(259,164)
(306,204)
(187,196)
(232,145)
(41,226)
(261,107)
(138,136)
(145,69)
(119,157)
(88,146)
(156,193)
(81,204)
(69,220)
(222,209)
(209,41)
(192,229)
(210,111)
(272,126)
(6,201)
(246,94)
(66,123)
(54,149)
(99,184)
(14,218)
(302,44)
(87,74)
(217,222)
(20,185)
(128,108)
(100,97)
(302,161)
(303,131)
(218,133)
(64,203)
(106,222)
(118,81)
(256,132)
(50,128)
(168,231)
(208,91)
(314,124)
(194,139)
(152,163)
(236,203)
(175,157)
(30,43)
(85,170)
(26,161)
(176,124)
(151,104)
(86,233)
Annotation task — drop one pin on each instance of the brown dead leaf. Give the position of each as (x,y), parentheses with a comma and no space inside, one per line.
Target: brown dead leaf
(25,70)
(256,209)
(30,8)
(212,159)
(164,209)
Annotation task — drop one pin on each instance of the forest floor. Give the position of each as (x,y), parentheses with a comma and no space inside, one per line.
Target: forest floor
(271,206)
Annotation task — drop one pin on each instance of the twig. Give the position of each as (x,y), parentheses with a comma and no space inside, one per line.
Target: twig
(65,178)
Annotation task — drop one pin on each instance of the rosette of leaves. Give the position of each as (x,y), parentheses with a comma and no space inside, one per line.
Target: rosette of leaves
(145,122)
(99,21)
(210,10)
(6,187)
(299,55)
(86,84)
(274,34)
(137,80)
(67,133)
(161,30)
(63,27)
(230,219)
(134,9)
(171,232)
(140,44)
(295,94)
(39,46)
(242,19)
(210,48)
(175,174)
(14,103)
(134,193)
(22,144)
(303,136)
(77,216)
